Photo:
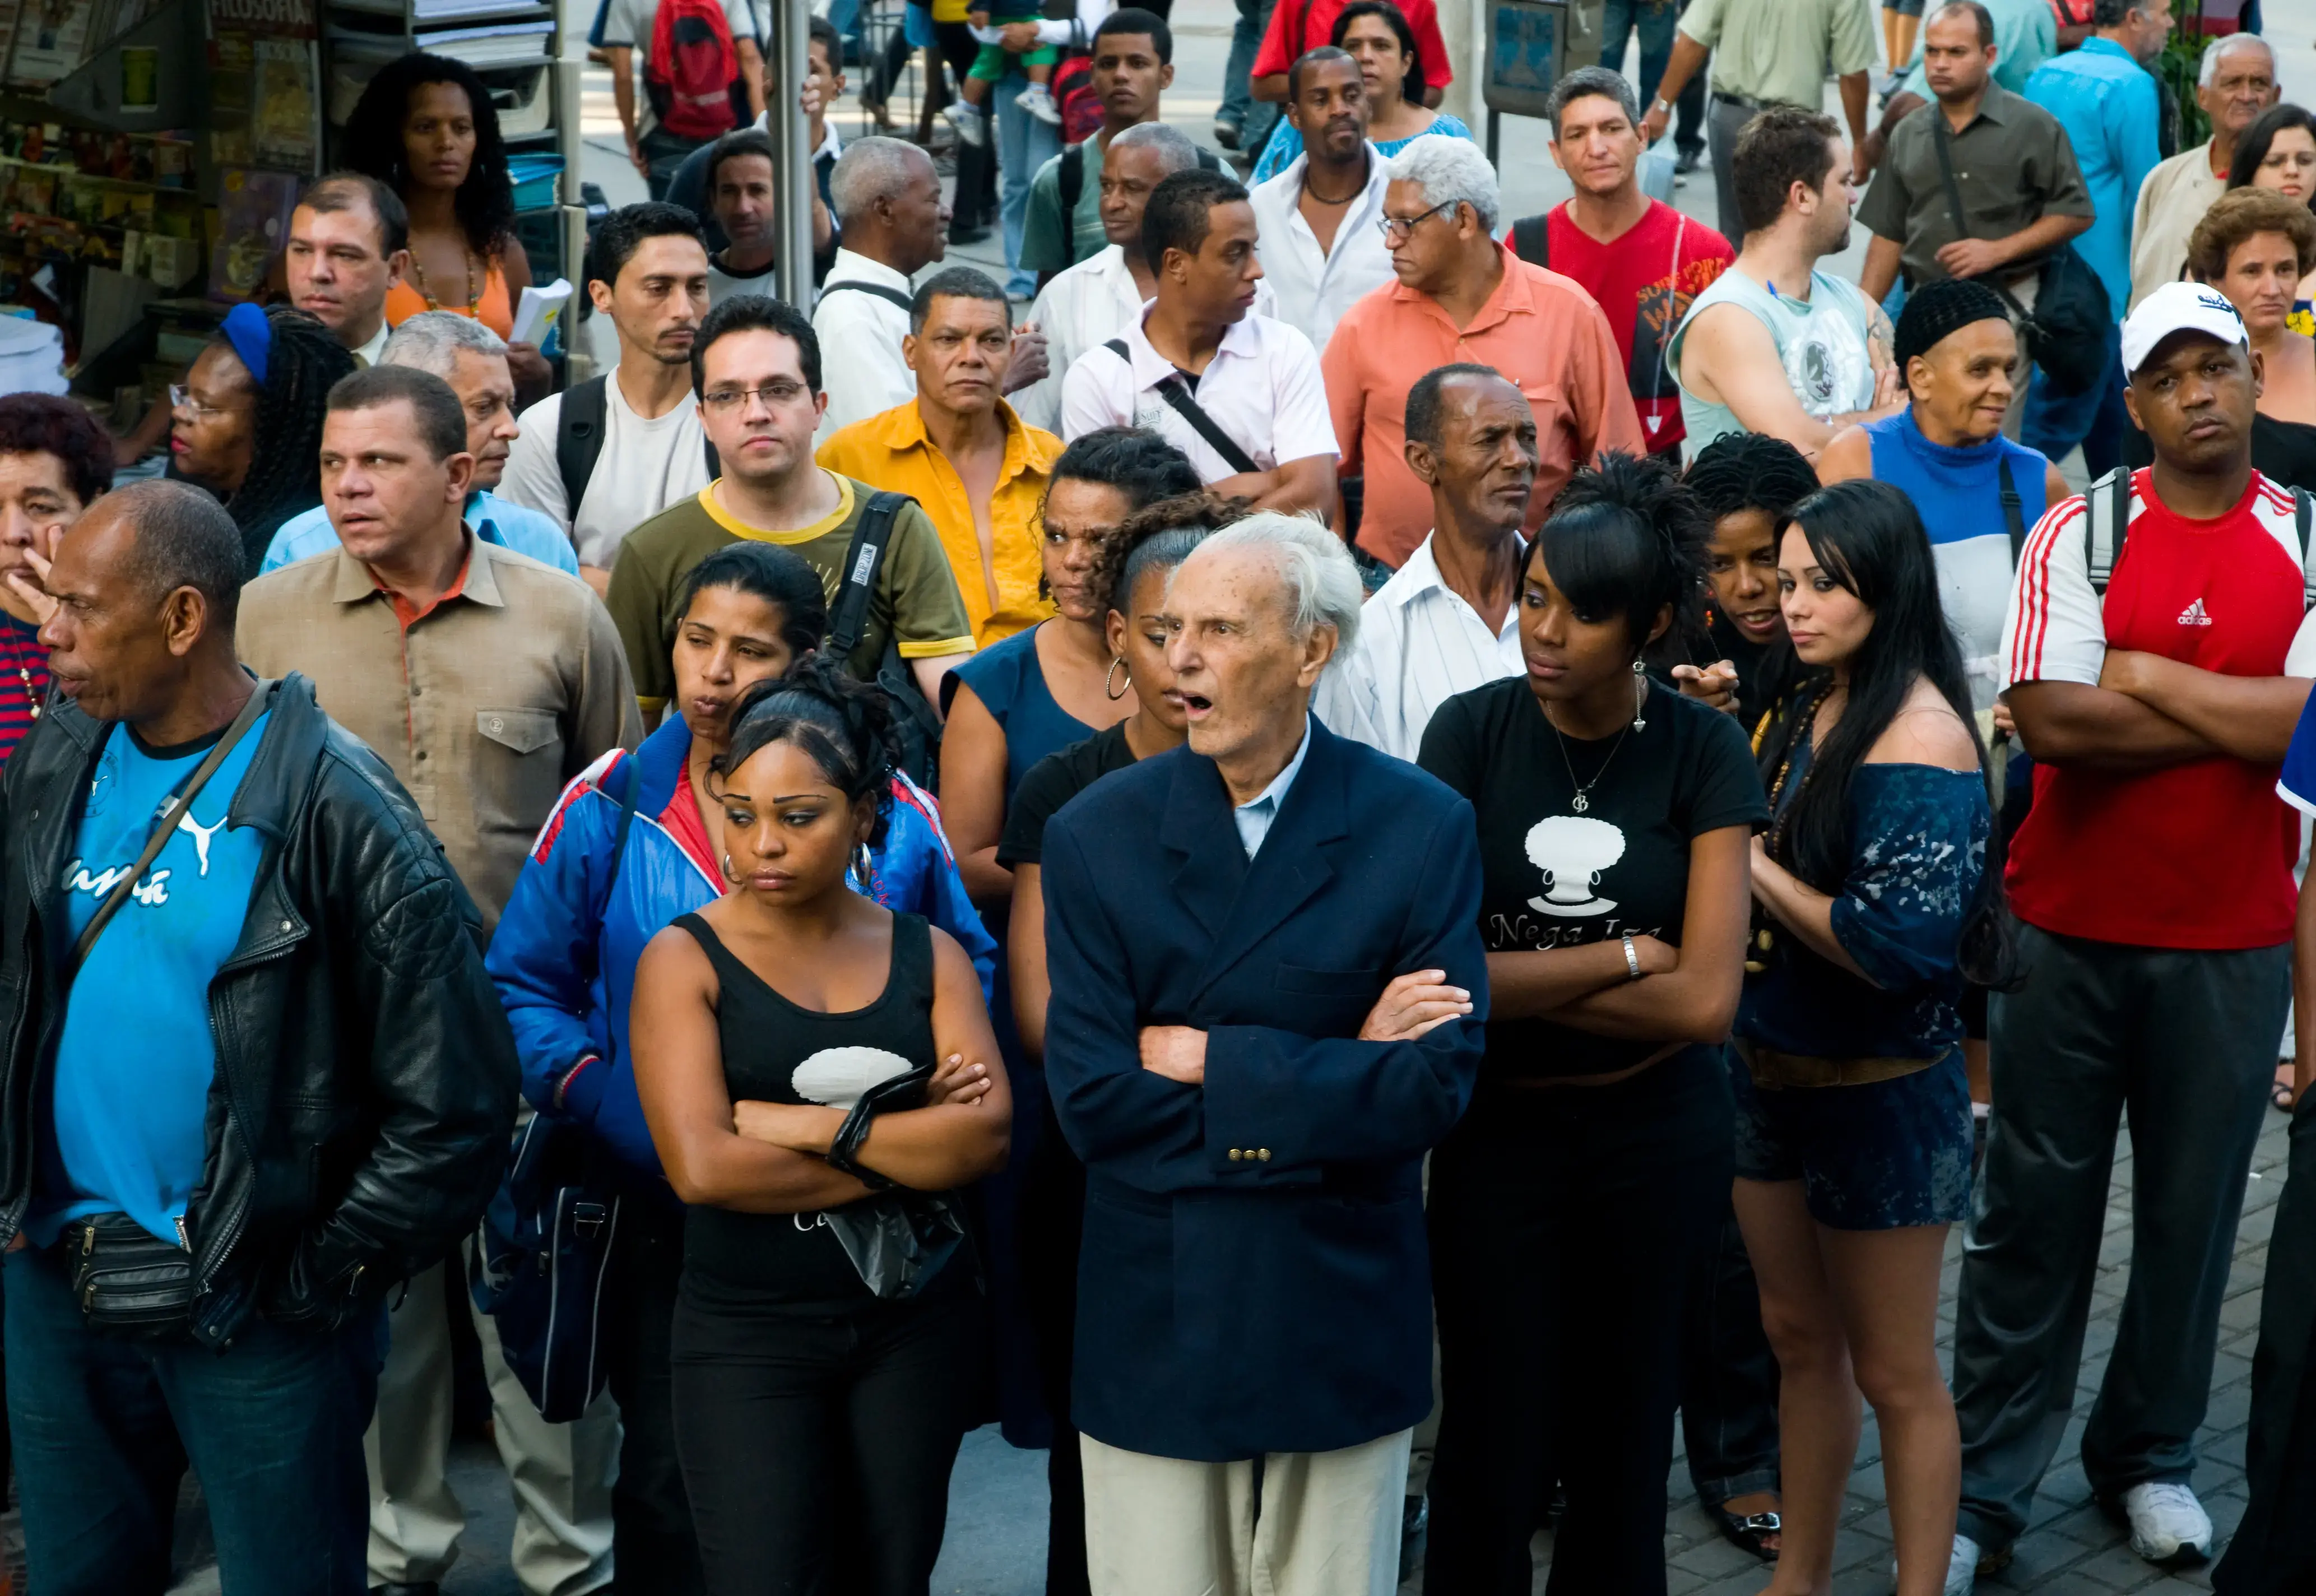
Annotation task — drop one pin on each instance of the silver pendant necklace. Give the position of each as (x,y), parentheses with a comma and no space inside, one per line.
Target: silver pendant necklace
(1579,803)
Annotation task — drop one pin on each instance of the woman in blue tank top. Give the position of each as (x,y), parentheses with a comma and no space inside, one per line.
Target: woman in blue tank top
(1961,364)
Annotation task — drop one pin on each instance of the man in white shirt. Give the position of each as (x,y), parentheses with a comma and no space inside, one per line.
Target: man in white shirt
(1238,392)
(349,244)
(895,224)
(1449,619)
(628,26)
(1322,239)
(2234,85)
(636,432)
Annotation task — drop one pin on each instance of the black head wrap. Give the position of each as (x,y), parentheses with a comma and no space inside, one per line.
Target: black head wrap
(1938,308)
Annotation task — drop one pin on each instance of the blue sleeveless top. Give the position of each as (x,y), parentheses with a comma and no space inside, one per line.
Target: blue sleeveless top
(1959,493)
(1011,684)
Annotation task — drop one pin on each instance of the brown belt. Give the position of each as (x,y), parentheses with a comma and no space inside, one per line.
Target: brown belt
(1774,1072)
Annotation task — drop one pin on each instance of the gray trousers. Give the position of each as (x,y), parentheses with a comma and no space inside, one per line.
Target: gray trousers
(1725,118)
(2187,1041)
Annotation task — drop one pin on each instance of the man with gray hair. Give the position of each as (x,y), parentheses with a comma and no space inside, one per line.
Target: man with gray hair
(2235,83)
(1259,1025)
(473,359)
(1460,296)
(893,223)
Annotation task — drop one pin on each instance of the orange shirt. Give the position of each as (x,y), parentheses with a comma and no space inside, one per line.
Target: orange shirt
(494,309)
(1538,328)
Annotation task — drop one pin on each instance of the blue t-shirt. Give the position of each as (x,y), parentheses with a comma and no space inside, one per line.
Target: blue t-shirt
(491,518)
(135,1057)
(2108,104)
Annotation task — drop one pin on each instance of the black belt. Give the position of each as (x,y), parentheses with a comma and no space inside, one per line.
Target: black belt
(1746,101)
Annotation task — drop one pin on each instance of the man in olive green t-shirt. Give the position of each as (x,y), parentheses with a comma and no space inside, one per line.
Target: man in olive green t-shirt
(756,369)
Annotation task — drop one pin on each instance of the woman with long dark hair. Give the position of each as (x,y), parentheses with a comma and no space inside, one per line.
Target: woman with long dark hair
(819,1077)
(1569,1206)
(1877,901)
(425,127)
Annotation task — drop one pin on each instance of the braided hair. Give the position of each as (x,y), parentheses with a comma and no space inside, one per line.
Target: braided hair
(1627,538)
(1160,537)
(848,727)
(1750,471)
(285,469)
(484,202)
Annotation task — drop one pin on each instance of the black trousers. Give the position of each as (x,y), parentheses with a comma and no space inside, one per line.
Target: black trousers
(1564,1226)
(1729,1375)
(653,1546)
(817,1449)
(1053,1226)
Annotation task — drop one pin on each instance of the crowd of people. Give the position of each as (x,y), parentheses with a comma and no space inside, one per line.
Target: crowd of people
(1371,854)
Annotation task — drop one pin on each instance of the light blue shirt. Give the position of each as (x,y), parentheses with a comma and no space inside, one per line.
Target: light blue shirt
(2025,35)
(1253,818)
(492,519)
(2108,104)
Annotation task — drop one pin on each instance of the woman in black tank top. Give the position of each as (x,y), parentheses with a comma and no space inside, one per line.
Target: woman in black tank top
(816,1422)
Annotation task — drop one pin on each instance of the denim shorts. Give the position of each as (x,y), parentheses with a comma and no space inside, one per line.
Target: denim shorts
(1873,1157)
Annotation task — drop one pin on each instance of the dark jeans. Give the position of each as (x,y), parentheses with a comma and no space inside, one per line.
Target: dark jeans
(2274,1552)
(817,1447)
(1564,1221)
(1052,1227)
(104,1427)
(1652,19)
(2187,1040)
(653,1546)
(664,151)
(1255,118)
(2055,422)
(1688,126)
(1728,1374)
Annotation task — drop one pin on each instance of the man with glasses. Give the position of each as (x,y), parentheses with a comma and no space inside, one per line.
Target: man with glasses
(1463,297)
(756,369)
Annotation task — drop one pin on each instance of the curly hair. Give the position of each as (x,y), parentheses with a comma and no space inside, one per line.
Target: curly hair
(285,467)
(485,204)
(849,729)
(1750,471)
(1160,537)
(44,424)
(2241,214)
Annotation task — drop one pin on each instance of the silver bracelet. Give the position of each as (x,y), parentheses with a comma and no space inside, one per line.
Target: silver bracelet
(1632,958)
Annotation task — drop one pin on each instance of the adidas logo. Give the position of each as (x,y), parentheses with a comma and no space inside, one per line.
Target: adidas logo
(2194,615)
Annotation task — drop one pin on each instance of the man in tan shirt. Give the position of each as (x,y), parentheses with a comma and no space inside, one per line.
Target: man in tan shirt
(2234,85)
(485,681)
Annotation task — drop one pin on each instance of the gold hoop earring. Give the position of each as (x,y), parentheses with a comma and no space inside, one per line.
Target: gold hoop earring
(730,874)
(1109,680)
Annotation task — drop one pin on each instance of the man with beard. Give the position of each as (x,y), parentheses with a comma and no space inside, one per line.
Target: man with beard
(1320,218)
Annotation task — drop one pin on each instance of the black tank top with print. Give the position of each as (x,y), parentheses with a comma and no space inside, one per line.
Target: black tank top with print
(777,1052)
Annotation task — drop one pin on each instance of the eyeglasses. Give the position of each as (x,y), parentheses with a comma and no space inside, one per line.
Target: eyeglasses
(771,393)
(1400,226)
(180,398)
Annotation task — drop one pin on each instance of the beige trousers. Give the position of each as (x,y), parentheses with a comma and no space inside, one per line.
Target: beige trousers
(562,1474)
(1327,1523)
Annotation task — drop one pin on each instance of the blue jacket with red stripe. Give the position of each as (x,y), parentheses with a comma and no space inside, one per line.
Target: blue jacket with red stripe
(563,956)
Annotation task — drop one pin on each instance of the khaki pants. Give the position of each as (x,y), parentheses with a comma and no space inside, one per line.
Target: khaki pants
(1327,1523)
(562,1473)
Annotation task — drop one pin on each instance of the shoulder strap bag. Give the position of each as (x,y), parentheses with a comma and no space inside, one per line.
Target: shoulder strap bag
(920,726)
(1177,395)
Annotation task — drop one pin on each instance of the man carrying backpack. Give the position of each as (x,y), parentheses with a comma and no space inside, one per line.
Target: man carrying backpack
(703,65)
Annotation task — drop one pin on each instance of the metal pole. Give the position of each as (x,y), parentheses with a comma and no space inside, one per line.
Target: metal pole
(784,76)
(571,22)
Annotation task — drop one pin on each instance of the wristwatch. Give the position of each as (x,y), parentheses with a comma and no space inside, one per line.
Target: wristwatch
(1663,107)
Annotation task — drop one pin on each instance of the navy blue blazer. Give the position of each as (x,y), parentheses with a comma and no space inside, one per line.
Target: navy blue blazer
(1254,1276)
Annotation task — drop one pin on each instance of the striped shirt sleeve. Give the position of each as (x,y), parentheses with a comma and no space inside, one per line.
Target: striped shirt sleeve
(2055,630)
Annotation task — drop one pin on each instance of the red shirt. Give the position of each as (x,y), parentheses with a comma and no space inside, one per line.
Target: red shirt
(24,681)
(2195,855)
(1297,25)
(1644,280)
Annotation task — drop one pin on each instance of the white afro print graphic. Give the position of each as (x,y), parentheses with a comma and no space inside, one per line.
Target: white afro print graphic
(1571,852)
(837,1076)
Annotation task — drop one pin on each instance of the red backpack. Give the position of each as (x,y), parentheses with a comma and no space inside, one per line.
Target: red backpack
(1073,92)
(692,68)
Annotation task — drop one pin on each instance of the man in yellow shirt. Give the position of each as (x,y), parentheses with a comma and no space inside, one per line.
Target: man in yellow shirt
(961,452)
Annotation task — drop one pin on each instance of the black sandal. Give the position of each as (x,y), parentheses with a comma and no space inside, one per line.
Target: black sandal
(1747,1532)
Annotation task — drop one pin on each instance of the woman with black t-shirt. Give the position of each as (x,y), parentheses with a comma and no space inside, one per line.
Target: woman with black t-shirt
(814,1392)
(1853,1114)
(1568,1206)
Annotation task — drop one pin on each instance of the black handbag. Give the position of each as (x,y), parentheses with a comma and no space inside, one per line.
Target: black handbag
(2066,333)
(898,1240)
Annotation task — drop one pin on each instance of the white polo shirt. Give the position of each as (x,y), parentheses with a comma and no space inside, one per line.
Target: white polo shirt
(1315,286)
(1262,388)
(861,344)
(1081,308)
(1420,644)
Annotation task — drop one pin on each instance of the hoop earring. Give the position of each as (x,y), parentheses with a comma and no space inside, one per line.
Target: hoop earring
(1109,689)
(730,874)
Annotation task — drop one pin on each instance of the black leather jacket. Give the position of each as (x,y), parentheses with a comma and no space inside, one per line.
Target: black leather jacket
(366,1078)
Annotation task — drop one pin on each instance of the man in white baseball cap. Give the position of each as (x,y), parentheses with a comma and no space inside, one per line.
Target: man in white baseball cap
(2152,884)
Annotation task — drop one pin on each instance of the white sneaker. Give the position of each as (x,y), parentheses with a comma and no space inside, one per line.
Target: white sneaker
(1038,101)
(1961,1568)
(2168,1525)
(971,123)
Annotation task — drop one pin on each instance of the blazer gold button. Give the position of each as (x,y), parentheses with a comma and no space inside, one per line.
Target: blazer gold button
(1263,1154)
(1235,1154)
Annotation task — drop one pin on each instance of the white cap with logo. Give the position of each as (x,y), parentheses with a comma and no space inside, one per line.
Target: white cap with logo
(2178,307)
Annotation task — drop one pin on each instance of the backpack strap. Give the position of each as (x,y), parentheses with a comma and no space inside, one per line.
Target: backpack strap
(2014,513)
(2304,510)
(2107,520)
(862,557)
(891,296)
(1532,240)
(579,440)
(1184,403)
(1072,179)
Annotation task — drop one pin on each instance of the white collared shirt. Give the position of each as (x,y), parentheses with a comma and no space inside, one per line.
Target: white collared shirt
(367,353)
(1420,644)
(1253,818)
(1262,387)
(1316,286)
(861,344)
(1083,309)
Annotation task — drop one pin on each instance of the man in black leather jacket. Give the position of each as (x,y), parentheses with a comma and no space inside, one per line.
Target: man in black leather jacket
(304,1108)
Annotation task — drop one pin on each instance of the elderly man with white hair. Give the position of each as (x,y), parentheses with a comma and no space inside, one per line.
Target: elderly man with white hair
(2235,83)
(473,359)
(893,224)
(1460,296)
(1267,994)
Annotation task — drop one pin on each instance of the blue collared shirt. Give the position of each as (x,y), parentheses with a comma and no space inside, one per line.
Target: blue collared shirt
(2108,104)
(492,519)
(1253,818)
